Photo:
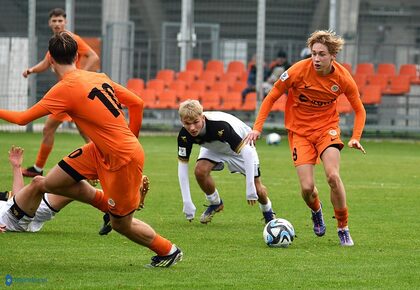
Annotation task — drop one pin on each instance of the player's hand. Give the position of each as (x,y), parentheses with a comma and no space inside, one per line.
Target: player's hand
(144,189)
(26,72)
(252,137)
(251,198)
(353,143)
(189,211)
(16,156)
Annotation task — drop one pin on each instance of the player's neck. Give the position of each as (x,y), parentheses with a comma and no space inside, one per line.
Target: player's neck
(61,70)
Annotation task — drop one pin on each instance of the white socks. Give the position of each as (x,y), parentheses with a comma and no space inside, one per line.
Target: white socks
(213,198)
(266,207)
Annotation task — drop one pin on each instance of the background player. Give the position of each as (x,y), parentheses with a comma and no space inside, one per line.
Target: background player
(114,155)
(90,60)
(312,120)
(220,136)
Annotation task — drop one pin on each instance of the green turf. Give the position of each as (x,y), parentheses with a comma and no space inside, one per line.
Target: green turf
(383,189)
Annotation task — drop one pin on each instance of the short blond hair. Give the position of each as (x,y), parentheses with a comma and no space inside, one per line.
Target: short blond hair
(190,109)
(333,42)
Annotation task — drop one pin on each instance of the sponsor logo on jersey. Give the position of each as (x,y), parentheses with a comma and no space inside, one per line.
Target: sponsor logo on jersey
(220,133)
(334,88)
(182,151)
(284,76)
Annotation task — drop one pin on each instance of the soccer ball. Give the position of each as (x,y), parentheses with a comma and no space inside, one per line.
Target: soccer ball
(278,233)
(273,139)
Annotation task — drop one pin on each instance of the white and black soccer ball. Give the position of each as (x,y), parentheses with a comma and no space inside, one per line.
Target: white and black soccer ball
(278,233)
(273,139)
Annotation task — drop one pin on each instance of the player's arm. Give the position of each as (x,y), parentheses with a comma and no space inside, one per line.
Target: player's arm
(275,93)
(24,117)
(91,60)
(352,95)
(15,160)
(251,191)
(134,105)
(43,65)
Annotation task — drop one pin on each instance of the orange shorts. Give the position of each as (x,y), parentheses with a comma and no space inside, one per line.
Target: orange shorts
(307,150)
(121,186)
(61,117)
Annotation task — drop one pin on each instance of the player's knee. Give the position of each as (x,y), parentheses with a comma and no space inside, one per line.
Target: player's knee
(200,172)
(333,179)
(38,182)
(307,189)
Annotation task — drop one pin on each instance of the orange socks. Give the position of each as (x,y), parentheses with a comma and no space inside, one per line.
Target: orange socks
(100,201)
(43,153)
(341,216)
(160,246)
(316,205)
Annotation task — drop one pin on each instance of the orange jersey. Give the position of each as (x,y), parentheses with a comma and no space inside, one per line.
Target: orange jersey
(312,99)
(93,101)
(82,48)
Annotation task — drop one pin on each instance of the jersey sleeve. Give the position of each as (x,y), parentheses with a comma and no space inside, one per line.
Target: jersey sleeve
(134,105)
(184,145)
(82,47)
(23,118)
(352,94)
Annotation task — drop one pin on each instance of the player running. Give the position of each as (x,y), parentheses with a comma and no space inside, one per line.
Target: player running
(220,136)
(114,156)
(87,60)
(311,117)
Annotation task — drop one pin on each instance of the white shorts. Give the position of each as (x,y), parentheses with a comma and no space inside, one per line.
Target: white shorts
(236,163)
(26,223)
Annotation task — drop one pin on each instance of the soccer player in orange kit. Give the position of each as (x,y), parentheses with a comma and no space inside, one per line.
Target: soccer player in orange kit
(114,156)
(312,121)
(88,60)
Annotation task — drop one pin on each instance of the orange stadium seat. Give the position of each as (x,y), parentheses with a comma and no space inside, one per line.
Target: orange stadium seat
(220,87)
(196,66)
(386,69)
(149,98)
(244,76)
(166,75)
(239,86)
(411,71)
(167,100)
(157,85)
(230,78)
(216,66)
(211,101)
(236,67)
(399,85)
(187,76)
(250,103)
(361,80)
(366,68)
(179,87)
(136,85)
(189,94)
(232,101)
(378,79)
(208,77)
(199,86)
(371,95)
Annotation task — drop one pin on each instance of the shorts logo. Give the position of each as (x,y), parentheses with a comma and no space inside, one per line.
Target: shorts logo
(182,151)
(333,133)
(111,202)
(284,76)
(334,88)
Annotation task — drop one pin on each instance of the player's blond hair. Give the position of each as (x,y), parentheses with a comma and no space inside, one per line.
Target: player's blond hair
(190,109)
(333,42)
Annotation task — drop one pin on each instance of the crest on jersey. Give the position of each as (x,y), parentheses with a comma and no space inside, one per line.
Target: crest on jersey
(334,88)
(284,76)
(333,132)
(182,151)
(184,139)
(220,133)
(111,202)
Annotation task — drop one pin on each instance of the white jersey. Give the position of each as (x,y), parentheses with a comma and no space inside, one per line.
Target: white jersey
(222,133)
(25,224)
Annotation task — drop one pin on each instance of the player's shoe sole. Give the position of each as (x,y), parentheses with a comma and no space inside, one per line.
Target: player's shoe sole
(31,172)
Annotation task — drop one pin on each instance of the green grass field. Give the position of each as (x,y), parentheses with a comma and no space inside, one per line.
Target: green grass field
(383,189)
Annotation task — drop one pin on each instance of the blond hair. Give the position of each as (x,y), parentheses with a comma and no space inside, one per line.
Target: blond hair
(190,109)
(333,42)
